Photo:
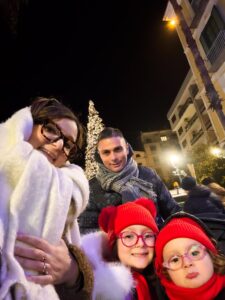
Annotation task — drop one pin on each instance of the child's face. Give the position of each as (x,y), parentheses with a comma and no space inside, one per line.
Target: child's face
(192,273)
(139,255)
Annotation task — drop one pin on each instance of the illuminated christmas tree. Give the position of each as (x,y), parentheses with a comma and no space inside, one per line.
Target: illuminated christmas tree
(94,127)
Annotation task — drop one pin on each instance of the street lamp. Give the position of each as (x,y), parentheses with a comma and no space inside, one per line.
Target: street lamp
(172,23)
(218,152)
(175,160)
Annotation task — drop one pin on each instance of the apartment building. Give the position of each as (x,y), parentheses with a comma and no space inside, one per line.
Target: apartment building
(190,116)
(158,147)
(140,158)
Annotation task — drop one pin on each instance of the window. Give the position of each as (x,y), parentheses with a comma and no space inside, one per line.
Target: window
(173,118)
(152,147)
(163,138)
(213,27)
(180,130)
(184,143)
(195,4)
(148,140)
(193,90)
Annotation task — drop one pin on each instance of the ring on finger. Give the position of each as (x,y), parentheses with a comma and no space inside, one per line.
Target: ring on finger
(45,267)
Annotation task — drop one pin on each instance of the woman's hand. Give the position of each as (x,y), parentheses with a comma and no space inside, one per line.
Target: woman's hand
(53,263)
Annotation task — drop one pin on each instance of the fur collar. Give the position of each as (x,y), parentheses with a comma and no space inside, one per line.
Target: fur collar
(112,280)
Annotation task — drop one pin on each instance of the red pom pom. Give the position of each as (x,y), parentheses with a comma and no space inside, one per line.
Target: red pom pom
(105,218)
(148,204)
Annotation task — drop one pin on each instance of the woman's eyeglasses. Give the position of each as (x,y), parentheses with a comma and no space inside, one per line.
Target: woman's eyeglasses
(194,252)
(130,238)
(52,134)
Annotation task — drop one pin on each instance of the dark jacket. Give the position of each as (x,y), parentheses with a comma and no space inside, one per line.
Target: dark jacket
(88,220)
(201,200)
(83,289)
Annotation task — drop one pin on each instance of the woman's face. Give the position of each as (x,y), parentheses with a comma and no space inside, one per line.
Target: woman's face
(54,151)
(139,256)
(192,273)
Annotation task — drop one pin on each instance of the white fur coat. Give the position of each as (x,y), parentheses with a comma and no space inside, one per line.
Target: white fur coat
(112,280)
(34,199)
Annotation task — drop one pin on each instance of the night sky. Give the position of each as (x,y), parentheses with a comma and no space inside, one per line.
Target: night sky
(117,53)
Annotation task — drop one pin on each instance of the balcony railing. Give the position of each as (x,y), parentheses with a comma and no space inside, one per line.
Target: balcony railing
(184,107)
(201,108)
(196,136)
(190,122)
(196,4)
(217,47)
(208,124)
(199,8)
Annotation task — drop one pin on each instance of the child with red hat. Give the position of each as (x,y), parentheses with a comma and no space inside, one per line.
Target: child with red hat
(123,250)
(187,260)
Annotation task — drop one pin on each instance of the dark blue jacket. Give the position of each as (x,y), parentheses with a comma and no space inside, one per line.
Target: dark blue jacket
(201,200)
(166,205)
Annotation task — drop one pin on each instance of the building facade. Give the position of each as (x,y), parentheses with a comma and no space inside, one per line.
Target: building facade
(190,116)
(158,147)
(140,158)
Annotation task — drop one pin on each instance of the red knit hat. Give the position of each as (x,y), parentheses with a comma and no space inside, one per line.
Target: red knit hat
(181,227)
(113,219)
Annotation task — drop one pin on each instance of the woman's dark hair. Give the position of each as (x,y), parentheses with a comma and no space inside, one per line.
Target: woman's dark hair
(43,109)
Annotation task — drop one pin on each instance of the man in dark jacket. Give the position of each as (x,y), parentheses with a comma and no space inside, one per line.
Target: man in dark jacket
(200,199)
(119,179)
(205,205)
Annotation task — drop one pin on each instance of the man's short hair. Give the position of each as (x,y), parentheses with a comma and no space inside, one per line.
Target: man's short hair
(109,132)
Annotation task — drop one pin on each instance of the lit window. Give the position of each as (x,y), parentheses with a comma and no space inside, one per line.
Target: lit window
(163,138)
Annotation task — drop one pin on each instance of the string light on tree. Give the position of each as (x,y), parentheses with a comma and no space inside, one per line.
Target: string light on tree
(94,127)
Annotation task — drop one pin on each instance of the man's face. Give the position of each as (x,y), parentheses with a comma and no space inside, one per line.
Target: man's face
(113,152)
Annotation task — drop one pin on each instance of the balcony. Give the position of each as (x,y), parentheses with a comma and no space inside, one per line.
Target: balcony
(201,108)
(196,137)
(191,122)
(184,107)
(193,90)
(208,124)
(216,54)
(198,7)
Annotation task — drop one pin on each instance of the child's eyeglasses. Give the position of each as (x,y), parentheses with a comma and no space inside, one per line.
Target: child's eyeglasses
(130,238)
(194,252)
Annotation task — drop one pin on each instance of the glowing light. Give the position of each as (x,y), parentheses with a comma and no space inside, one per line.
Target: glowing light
(174,158)
(171,23)
(216,151)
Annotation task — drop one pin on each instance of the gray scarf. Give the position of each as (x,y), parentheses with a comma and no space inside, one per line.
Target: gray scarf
(126,182)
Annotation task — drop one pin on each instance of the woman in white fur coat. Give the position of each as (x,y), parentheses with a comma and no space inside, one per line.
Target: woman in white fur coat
(42,194)
(122,252)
